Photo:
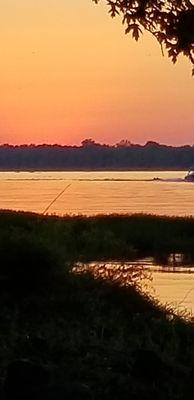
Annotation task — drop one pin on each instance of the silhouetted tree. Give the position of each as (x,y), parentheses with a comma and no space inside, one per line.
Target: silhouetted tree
(93,156)
(170,21)
(88,143)
(124,143)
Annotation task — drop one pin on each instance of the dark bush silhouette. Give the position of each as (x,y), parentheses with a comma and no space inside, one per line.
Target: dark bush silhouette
(100,338)
(26,381)
(26,264)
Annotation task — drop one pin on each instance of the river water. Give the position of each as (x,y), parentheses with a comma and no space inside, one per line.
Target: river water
(92,193)
(171,284)
(175,289)
(97,192)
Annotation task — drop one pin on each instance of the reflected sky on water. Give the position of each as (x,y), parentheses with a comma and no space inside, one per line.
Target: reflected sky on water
(92,193)
(170,284)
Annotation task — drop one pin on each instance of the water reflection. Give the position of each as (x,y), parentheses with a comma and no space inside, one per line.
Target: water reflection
(171,283)
(172,280)
(94,193)
(173,261)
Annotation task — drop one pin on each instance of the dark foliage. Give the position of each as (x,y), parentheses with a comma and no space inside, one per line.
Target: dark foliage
(113,237)
(26,264)
(82,337)
(171,22)
(25,381)
(93,156)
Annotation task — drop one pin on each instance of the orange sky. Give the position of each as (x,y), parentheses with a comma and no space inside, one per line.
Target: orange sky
(68,72)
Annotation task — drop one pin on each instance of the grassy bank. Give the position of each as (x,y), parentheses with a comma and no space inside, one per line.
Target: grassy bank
(95,339)
(118,237)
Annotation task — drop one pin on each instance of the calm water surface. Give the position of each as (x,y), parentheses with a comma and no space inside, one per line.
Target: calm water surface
(176,289)
(92,193)
(98,192)
(171,285)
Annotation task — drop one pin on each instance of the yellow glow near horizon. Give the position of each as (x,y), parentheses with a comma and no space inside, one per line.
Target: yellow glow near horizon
(68,72)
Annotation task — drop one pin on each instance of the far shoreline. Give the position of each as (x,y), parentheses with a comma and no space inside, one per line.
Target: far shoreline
(94,170)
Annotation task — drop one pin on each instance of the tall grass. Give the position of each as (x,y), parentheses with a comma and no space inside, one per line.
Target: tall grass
(93,329)
(114,237)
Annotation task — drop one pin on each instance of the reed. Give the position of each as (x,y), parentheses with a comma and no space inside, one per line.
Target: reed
(91,327)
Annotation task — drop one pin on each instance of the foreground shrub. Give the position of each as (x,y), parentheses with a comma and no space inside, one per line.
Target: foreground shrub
(26,264)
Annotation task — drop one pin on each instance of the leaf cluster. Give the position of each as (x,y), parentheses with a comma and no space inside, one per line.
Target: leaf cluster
(171,22)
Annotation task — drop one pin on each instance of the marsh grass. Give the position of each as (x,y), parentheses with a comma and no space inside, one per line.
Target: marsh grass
(91,324)
(102,238)
(120,273)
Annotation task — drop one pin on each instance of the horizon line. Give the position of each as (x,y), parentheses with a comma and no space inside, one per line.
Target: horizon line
(90,142)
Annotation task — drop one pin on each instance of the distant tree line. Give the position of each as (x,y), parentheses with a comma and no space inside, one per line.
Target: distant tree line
(94,156)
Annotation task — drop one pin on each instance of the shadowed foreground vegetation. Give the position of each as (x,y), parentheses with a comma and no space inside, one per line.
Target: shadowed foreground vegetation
(66,335)
(113,237)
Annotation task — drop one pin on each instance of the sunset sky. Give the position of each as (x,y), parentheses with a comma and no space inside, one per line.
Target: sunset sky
(68,72)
